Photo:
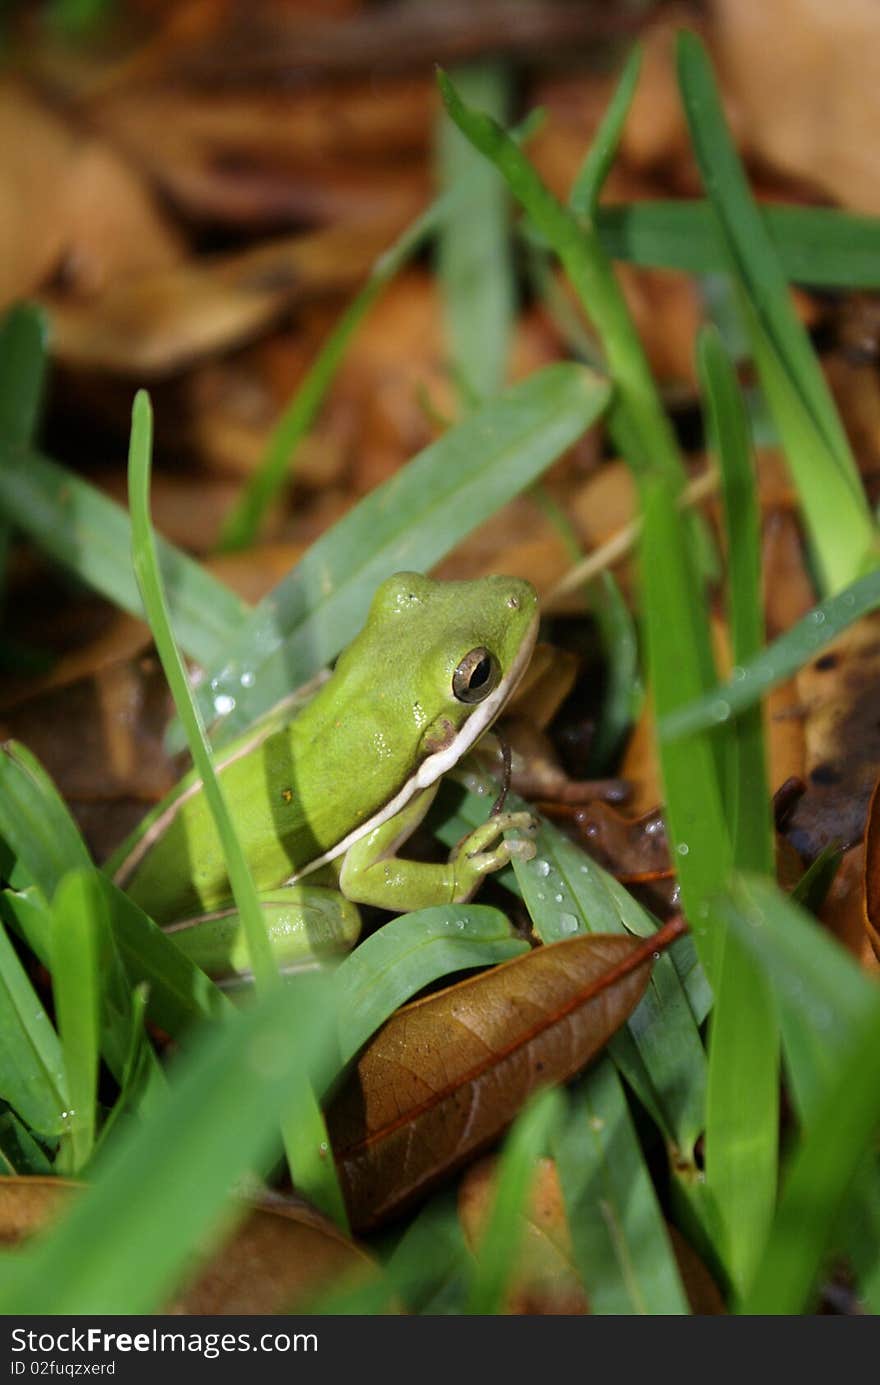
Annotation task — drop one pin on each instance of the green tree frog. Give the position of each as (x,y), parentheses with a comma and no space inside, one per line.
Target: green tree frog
(333,794)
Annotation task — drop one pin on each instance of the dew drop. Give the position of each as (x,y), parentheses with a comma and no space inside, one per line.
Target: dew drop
(682,848)
(224,704)
(737,674)
(541,867)
(597,1123)
(721,710)
(568,923)
(248,678)
(818,617)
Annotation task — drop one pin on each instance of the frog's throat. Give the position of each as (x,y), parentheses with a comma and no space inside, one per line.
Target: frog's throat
(435,766)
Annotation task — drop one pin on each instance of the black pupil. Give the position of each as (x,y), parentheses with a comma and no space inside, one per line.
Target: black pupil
(481,673)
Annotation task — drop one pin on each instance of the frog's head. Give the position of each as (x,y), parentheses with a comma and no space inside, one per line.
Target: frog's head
(444,657)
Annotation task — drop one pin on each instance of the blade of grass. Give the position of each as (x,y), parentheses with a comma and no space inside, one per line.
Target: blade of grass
(587,186)
(824,1002)
(19,1151)
(678,651)
(412,520)
(819,246)
(305,1138)
(131,1236)
(473,246)
(90,534)
(638,419)
(242,525)
(529,1136)
(831,494)
(748,682)
(749,247)
(32,1076)
(748,807)
(179,993)
(76,990)
(742,1100)
(620,1243)
(818,1179)
(35,823)
(23,334)
(146,567)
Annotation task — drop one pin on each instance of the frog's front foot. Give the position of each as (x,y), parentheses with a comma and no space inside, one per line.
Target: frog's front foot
(485,850)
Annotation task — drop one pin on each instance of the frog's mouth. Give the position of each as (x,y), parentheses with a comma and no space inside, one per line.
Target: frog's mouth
(435,766)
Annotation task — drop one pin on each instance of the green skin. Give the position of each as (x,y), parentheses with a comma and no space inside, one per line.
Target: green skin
(338,789)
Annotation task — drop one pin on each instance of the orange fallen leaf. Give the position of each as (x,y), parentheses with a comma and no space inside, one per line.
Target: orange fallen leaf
(446,1075)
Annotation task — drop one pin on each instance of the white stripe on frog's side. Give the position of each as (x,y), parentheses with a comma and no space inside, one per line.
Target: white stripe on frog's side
(436,765)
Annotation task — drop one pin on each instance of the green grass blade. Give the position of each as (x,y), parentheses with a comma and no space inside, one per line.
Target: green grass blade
(76,989)
(813,245)
(23,333)
(19,1151)
(32,1076)
(742,1105)
(242,525)
(314,1174)
(90,535)
(842,534)
(473,246)
(841,531)
(112,1253)
(35,823)
(620,1243)
(588,184)
(748,807)
(638,418)
(179,994)
(527,1140)
(778,661)
(678,654)
(818,1180)
(412,520)
(825,1003)
(748,244)
(411,952)
(146,566)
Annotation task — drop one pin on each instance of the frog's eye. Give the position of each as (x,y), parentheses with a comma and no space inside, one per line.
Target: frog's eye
(476,676)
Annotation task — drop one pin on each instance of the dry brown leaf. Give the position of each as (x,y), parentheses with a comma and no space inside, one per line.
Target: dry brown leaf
(153,324)
(279,1258)
(100,738)
(445,1076)
(268,156)
(35,147)
(838,697)
(803,76)
(870,892)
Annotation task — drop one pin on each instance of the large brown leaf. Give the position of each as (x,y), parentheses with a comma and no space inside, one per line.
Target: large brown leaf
(447,1074)
(279,1258)
(872,872)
